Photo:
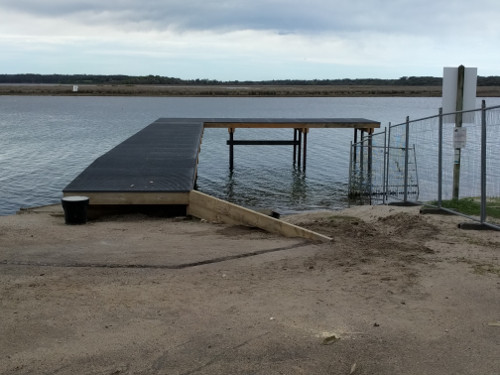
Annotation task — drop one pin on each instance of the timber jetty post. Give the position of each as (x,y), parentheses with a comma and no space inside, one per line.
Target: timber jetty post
(299,144)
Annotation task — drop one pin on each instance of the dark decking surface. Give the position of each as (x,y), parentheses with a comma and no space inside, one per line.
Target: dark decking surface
(160,158)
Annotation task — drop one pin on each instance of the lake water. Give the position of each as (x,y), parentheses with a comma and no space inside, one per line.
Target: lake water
(47,141)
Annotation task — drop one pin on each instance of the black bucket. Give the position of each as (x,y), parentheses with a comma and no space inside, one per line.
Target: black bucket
(75,209)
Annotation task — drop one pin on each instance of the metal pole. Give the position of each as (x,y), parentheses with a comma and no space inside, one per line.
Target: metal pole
(349,189)
(370,161)
(458,124)
(407,141)
(440,159)
(483,162)
(355,142)
(384,192)
(387,162)
(361,162)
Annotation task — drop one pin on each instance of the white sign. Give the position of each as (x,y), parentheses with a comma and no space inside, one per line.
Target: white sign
(450,81)
(459,137)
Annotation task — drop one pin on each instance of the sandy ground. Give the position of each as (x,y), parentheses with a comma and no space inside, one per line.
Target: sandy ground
(396,292)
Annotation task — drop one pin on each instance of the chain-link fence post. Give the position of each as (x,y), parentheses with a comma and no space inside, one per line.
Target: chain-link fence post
(407,141)
(440,159)
(384,179)
(387,161)
(370,165)
(483,162)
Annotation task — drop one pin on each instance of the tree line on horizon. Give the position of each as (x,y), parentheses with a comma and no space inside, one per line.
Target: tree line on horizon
(119,79)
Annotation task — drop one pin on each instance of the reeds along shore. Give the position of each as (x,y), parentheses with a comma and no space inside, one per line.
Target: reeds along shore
(250,90)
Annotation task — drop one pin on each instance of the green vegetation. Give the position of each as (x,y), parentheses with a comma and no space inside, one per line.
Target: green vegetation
(120,79)
(481,268)
(351,220)
(472,206)
(155,85)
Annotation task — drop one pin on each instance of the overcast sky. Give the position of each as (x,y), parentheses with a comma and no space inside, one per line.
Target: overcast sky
(250,39)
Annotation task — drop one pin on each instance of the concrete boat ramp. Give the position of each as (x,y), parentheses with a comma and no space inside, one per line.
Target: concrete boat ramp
(158,167)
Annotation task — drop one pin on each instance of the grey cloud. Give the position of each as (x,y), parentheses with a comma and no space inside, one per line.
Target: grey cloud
(285,16)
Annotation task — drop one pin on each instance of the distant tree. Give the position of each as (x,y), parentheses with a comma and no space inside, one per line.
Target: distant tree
(118,79)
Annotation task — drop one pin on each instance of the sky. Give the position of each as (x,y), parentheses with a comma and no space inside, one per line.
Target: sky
(255,40)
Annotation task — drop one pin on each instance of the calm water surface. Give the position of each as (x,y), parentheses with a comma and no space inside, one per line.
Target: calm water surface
(47,141)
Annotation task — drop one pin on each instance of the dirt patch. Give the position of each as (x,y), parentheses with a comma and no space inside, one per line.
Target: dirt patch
(396,292)
(408,226)
(241,231)
(396,238)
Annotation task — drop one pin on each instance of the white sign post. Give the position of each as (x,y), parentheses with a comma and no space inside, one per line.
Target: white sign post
(459,94)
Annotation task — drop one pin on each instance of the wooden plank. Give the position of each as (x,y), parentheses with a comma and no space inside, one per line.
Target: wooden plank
(213,209)
(294,125)
(126,198)
(262,143)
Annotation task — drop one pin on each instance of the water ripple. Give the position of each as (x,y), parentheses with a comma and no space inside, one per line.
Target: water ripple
(48,141)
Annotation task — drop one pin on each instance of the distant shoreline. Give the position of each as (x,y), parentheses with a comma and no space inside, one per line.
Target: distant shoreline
(236,90)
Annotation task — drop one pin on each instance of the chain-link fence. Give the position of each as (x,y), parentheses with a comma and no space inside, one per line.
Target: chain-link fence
(368,169)
(433,161)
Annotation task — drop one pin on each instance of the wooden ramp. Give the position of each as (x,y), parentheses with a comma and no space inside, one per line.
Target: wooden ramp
(217,210)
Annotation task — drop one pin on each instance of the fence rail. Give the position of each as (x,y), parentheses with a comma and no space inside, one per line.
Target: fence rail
(416,162)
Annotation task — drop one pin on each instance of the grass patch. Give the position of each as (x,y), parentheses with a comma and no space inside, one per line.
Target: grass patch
(472,206)
(481,268)
(344,219)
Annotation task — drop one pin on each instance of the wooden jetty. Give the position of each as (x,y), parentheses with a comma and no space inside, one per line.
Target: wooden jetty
(158,165)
